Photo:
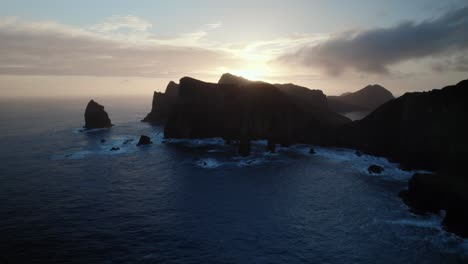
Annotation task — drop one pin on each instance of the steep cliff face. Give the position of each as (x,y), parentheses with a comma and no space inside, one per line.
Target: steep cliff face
(303,96)
(253,110)
(163,104)
(95,116)
(420,130)
(366,99)
(313,102)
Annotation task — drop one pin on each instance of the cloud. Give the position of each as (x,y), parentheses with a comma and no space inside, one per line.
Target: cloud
(374,50)
(455,64)
(214,25)
(115,23)
(50,48)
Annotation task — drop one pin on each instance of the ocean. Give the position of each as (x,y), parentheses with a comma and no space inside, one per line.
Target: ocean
(65,197)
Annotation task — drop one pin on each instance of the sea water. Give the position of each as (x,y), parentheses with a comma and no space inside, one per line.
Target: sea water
(65,197)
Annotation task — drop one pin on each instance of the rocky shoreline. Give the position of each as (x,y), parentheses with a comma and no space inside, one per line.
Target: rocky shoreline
(425,130)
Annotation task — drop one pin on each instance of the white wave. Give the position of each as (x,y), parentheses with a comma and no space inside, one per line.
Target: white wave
(78,154)
(123,144)
(431,222)
(252,161)
(215,150)
(95,130)
(196,142)
(208,163)
(78,130)
(360,163)
(443,240)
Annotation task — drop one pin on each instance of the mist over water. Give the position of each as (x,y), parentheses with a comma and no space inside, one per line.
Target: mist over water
(66,198)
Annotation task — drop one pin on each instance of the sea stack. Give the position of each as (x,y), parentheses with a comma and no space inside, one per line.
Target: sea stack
(144,140)
(96,117)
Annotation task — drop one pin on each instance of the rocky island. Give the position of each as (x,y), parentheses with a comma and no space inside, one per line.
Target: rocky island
(96,116)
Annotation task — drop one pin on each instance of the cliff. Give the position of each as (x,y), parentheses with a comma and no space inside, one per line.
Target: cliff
(364,100)
(163,104)
(420,130)
(96,116)
(237,108)
(314,102)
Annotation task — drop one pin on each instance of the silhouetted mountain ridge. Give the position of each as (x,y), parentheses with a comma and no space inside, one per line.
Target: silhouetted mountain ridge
(237,108)
(366,99)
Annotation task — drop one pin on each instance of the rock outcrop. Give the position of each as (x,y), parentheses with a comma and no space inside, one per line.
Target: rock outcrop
(163,104)
(144,140)
(364,100)
(375,169)
(96,116)
(425,130)
(314,102)
(431,193)
(238,108)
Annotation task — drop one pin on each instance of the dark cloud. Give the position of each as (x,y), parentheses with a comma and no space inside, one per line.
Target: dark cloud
(372,51)
(457,64)
(29,51)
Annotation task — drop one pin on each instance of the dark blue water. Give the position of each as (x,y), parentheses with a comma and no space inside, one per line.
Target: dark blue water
(66,198)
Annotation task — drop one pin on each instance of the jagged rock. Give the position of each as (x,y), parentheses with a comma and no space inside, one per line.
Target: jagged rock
(422,130)
(431,193)
(163,104)
(375,169)
(312,151)
(456,220)
(358,153)
(144,140)
(232,107)
(96,117)
(244,147)
(115,148)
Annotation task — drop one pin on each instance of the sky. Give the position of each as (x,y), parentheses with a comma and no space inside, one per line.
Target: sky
(116,47)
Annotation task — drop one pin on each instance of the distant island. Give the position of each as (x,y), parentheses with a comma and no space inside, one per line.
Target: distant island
(422,130)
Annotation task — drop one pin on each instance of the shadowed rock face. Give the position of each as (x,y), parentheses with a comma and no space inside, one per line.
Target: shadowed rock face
(144,140)
(253,110)
(313,102)
(96,117)
(364,100)
(162,104)
(303,96)
(375,169)
(431,193)
(420,130)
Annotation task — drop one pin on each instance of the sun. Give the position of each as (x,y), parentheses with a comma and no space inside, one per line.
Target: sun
(257,73)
